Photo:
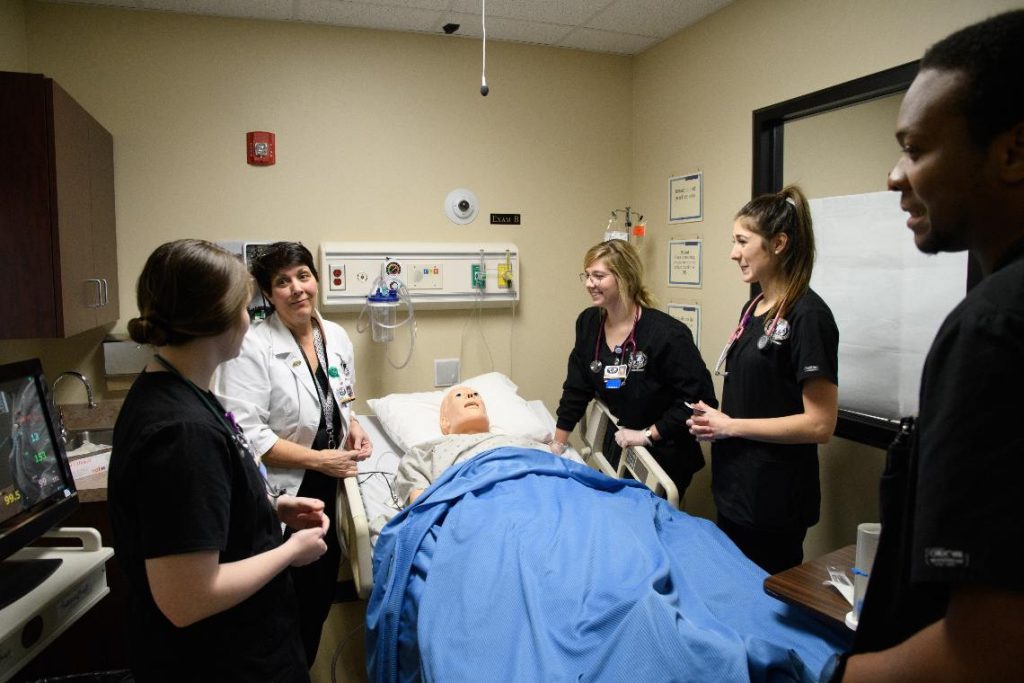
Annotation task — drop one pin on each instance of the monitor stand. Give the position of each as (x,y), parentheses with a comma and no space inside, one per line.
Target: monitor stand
(29,625)
(19,577)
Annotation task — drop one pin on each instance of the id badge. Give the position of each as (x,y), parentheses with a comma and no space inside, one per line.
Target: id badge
(345,394)
(615,376)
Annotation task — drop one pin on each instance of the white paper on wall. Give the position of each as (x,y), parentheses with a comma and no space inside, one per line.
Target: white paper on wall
(887,297)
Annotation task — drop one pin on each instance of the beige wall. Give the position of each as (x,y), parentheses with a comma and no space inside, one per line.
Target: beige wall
(694,97)
(374,129)
(13,42)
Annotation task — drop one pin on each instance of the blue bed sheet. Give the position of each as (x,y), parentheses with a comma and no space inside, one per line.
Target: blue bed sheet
(521,566)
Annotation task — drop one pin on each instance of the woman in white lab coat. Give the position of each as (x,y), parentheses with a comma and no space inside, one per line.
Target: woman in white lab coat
(290,388)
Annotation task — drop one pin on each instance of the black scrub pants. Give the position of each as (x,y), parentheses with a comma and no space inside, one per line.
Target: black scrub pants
(773,551)
(316,583)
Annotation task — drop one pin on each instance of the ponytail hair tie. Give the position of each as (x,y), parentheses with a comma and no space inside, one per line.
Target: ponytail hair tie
(790,201)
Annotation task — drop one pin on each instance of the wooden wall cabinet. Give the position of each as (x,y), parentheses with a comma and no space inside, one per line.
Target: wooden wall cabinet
(58,264)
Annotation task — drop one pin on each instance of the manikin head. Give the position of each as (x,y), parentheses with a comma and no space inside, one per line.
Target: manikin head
(463,412)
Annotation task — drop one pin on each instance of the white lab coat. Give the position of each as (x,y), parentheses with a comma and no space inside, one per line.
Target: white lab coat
(269,389)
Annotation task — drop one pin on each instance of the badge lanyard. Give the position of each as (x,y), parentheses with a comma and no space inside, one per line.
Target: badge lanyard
(227,420)
(614,375)
(738,332)
(326,405)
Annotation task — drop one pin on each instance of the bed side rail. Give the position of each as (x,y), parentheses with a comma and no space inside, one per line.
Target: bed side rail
(354,535)
(636,460)
(596,421)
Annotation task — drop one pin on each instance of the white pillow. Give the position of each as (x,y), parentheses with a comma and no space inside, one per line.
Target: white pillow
(413,419)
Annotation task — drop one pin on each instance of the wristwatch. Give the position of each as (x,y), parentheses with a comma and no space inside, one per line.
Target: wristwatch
(648,436)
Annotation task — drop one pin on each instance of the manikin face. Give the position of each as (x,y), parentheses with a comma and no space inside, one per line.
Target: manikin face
(601,284)
(940,174)
(463,412)
(293,295)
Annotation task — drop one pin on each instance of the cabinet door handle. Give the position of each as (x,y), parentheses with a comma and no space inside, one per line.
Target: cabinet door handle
(99,292)
(106,292)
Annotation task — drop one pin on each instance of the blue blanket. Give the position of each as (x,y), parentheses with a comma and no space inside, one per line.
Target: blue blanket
(520,566)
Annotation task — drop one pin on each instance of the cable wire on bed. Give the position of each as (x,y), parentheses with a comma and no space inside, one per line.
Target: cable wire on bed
(388,479)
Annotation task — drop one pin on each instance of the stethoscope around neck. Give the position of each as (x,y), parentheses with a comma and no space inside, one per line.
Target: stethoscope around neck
(620,350)
(764,340)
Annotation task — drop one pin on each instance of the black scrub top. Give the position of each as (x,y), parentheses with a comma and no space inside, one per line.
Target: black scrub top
(667,371)
(765,485)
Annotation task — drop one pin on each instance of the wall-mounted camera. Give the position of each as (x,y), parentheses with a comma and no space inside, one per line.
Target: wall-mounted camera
(461,206)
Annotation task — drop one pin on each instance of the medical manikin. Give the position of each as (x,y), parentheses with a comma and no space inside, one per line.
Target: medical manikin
(466,428)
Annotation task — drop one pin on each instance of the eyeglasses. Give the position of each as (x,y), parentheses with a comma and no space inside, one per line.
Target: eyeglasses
(596,278)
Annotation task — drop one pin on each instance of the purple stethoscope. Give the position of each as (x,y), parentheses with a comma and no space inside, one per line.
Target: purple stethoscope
(762,343)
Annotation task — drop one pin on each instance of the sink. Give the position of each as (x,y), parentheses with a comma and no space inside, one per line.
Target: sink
(77,437)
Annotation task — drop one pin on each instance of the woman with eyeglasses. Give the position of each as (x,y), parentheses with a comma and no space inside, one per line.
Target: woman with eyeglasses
(291,387)
(196,527)
(641,362)
(780,396)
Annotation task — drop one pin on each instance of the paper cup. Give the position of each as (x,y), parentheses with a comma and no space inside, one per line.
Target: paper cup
(867,545)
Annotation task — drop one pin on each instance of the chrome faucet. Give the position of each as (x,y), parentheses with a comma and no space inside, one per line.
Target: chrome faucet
(82,378)
(60,413)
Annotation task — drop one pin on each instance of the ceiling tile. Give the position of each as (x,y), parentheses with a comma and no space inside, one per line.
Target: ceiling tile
(110,3)
(365,15)
(607,41)
(661,18)
(252,9)
(568,12)
(617,26)
(514,30)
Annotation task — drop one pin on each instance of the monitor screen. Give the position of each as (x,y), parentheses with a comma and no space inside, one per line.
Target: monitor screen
(37,490)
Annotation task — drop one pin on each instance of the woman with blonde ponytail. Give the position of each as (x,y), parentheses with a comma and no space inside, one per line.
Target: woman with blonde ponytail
(780,392)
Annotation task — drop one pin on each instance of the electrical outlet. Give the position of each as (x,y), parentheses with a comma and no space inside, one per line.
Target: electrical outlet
(446,372)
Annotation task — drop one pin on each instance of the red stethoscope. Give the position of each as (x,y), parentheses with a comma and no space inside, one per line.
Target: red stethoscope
(596,365)
(762,343)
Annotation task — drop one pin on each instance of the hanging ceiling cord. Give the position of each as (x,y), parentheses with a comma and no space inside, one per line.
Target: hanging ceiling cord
(483,71)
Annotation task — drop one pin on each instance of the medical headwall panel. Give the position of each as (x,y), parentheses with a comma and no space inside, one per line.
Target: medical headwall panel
(435,274)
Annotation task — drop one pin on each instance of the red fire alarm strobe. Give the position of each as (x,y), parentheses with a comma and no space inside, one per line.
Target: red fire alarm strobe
(259,148)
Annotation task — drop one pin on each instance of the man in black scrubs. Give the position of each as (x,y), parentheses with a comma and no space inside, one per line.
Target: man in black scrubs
(946,599)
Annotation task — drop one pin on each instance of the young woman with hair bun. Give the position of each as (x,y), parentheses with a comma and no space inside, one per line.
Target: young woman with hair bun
(196,526)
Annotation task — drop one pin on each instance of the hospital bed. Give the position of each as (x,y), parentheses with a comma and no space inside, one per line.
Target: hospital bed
(541,568)
(367,501)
